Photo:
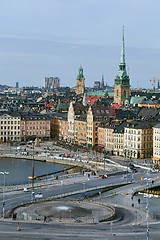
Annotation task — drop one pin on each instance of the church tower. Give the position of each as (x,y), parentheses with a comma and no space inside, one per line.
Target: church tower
(122,82)
(80,88)
(102,83)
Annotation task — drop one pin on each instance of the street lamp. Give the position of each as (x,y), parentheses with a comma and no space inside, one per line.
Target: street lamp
(147,212)
(4,184)
(84,189)
(32,177)
(126,160)
(33,174)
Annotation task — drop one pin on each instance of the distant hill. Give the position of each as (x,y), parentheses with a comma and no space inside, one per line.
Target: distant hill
(4,86)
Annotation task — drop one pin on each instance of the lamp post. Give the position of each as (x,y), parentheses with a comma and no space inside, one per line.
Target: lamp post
(147,213)
(84,188)
(33,174)
(4,185)
(126,160)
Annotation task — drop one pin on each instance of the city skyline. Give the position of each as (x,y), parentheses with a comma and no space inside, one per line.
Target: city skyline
(53,38)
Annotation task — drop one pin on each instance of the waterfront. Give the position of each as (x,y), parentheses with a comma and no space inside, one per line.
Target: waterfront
(20,169)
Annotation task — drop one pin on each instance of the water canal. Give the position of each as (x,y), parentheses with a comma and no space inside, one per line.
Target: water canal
(19,170)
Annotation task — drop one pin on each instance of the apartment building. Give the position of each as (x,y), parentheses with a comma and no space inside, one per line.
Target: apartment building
(52,82)
(118,139)
(156,144)
(80,131)
(138,139)
(59,126)
(90,128)
(101,137)
(96,115)
(71,127)
(109,137)
(35,125)
(76,112)
(10,126)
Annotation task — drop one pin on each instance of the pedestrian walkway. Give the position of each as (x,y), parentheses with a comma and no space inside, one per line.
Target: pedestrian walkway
(124,198)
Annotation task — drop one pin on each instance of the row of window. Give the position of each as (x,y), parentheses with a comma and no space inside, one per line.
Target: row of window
(89,133)
(135,145)
(80,123)
(118,140)
(157,145)
(7,118)
(34,122)
(10,133)
(138,138)
(156,152)
(128,130)
(10,122)
(156,131)
(131,131)
(80,128)
(37,127)
(35,133)
(10,127)
(110,140)
(157,138)
(10,138)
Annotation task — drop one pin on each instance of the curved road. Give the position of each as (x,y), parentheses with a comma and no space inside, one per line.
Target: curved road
(124,229)
(41,231)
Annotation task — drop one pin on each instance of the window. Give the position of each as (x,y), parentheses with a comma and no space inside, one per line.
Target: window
(117,93)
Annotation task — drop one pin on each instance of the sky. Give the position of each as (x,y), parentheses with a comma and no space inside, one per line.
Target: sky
(43,38)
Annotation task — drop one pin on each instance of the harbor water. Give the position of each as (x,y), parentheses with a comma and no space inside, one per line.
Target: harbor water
(19,170)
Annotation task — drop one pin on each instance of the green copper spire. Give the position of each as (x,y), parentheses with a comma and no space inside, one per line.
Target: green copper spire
(122,59)
(122,77)
(122,66)
(80,74)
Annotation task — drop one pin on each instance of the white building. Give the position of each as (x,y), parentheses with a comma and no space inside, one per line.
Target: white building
(10,127)
(156,144)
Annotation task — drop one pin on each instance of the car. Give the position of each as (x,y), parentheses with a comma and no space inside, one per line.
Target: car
(38,195)
(134,170)
(25,189)
(104,176)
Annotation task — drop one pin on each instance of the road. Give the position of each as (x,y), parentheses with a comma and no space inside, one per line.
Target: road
(104,231)
(130,227)
(76,184)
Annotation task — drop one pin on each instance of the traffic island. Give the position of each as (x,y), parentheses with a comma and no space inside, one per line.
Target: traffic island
(73,212)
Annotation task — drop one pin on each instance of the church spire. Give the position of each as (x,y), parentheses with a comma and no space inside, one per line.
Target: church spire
(122,81)
(80,73)
(122,59)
